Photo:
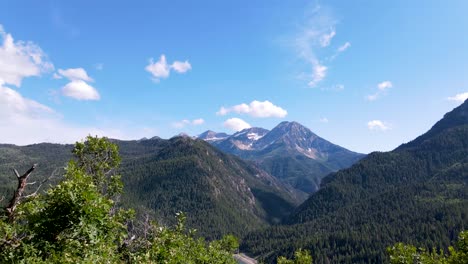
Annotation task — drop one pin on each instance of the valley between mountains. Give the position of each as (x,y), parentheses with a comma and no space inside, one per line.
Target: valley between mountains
(287,188)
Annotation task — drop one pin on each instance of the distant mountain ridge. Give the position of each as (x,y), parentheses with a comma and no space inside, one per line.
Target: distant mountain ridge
(290,152)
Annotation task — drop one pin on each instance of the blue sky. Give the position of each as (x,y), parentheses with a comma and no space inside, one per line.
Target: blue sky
(367,75)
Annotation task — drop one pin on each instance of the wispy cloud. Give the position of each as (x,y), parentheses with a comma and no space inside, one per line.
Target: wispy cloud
(323,120)
(236,124)
(255,109)
(316,33)
(340,50)
(460,98)
(161,69)
(335,88)
(382,89)
(186,122)
(344,47)
(377,125)
(326,38)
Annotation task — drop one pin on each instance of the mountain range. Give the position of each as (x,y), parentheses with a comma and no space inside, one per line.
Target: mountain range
(290,152)
(417,193)
(289,189)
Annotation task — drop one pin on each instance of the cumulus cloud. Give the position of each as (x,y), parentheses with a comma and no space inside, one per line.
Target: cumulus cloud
(75,74)
(181,67)
(186,122)
(158,69)
(161,69)
(255,109)
(377,125)
(80,90)
(77,88)
(20,59)
(461,97)
(381,90)
(25,121)
(236,124)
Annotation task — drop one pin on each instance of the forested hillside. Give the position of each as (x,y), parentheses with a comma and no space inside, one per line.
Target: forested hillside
(416,194)
(80,220)
(221,193)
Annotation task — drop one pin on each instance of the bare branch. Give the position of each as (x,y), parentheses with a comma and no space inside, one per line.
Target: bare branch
(18,195)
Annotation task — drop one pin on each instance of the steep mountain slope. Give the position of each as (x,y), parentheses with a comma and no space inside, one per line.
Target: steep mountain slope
(417,193)
(220,193)
(290,152)
(241,141)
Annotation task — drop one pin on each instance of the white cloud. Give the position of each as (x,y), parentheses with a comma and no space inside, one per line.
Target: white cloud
(223,111)
(198,121)
(76,74)
(80,90)
(56,76)
(317,33)
(385,85)
(77,88)
(382,89)
(25,121)
(181,67)
(20,59)
(181,124)
(161,69)
(323,120)
(340,50)
(236,124)
(344,47)
(372,97)
(186,122)
(326,38)
(318,73)
(459,97)
(255,109)
(377,125)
